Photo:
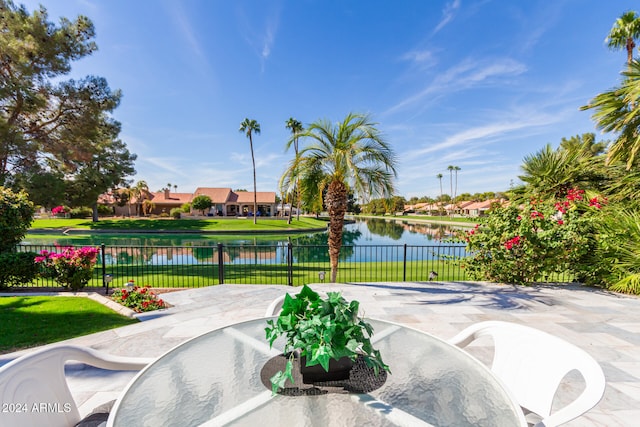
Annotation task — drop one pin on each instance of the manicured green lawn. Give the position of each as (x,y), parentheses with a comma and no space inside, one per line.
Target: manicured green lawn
(31,321)
(234,224)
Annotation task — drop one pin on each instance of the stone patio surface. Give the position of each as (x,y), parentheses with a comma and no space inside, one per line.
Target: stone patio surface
(605,324)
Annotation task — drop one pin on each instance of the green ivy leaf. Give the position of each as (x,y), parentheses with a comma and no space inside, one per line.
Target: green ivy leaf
(280,378)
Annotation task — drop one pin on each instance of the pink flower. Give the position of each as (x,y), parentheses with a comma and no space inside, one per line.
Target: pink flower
(509,244)
(574,194)
(58,210)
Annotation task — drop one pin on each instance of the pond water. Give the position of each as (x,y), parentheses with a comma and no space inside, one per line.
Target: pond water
(369,231)
(364,240)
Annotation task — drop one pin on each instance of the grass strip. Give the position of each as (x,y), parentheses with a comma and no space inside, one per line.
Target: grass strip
(29,321)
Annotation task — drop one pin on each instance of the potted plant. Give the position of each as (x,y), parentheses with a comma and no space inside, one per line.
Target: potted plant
(322,331)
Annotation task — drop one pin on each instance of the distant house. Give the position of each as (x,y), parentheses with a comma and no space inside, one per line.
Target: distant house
(227,202)
(423,208)
(164,201)
(476,209)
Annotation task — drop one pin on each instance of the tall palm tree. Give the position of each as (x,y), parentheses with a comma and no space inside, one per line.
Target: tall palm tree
(249,127)
(350,155)
(450,168)
(625,31)
(295,127)
(439,176)
(455,192)
(617,111)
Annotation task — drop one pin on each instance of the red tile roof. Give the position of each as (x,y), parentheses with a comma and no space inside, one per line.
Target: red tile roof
(178,199)
(226,195)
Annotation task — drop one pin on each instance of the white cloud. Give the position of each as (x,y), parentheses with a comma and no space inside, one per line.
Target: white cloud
(465,75)
(448,13)
(186,29)
(488,133)
(420,57)
(169,165)
(262,42)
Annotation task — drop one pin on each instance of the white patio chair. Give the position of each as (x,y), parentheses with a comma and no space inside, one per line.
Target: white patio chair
(532,363)
(276,305)
(37,387)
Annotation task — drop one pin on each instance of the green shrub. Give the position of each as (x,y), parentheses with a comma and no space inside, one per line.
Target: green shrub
(81,212)
(186,208)
(16,216)
(176,213)
(527,243)
(138,299)
(71,268)
(105,210)
(201,202)
(17,268)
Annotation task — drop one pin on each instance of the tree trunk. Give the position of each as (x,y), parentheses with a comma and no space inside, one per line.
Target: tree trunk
(336,201)
(255,196)
(94,209)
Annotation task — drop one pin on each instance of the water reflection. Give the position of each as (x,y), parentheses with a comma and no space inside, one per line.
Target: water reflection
(174,249)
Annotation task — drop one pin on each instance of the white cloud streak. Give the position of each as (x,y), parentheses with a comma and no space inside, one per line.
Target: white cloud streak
(488,133)
(469,73)
(448,13)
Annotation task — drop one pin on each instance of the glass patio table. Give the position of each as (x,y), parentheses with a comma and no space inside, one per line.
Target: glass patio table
(215,379)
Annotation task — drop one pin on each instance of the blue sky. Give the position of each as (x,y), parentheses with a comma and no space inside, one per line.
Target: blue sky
(475,84)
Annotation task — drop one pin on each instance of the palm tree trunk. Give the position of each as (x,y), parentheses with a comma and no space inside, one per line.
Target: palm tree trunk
(455,192)
(297,188)
(255,196)
(336,201)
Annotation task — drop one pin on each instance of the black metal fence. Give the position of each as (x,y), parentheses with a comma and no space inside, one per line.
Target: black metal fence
(285,263)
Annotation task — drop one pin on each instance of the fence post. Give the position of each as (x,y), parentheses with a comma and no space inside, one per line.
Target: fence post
(105,284)
(220,264)
(289,264)
(404,264)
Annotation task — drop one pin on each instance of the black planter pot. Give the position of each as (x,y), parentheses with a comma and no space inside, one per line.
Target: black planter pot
(339,370)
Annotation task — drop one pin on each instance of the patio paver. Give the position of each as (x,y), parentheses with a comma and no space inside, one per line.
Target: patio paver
(605,324)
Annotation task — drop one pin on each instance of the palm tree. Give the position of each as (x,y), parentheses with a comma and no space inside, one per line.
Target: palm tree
(625,31)
(617,111)
(350,155)
(439,176)
(138,192)
(295,127)
(550,173)
(450,168)
(456,169)
(175,188)
(585,142)
(249,127)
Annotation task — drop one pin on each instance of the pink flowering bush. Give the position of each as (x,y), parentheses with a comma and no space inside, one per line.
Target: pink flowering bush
(71,268)
(58,210)
(531,242)
(138,299)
